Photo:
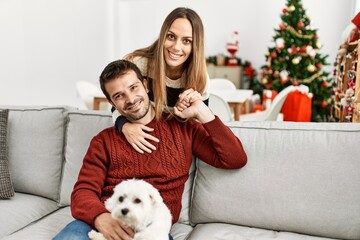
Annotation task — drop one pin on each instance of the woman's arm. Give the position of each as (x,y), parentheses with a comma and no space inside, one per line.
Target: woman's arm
(136,134)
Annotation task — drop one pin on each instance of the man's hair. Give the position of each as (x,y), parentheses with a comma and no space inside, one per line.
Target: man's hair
(116,69)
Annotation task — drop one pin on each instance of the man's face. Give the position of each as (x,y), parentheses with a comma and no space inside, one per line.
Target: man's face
(129,96)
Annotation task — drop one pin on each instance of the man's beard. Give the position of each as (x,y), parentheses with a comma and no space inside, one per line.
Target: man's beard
(139,115)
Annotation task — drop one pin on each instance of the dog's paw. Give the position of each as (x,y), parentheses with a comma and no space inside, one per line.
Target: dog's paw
(94,235)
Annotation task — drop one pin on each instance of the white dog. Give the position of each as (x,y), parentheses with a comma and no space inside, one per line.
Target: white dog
(139,205)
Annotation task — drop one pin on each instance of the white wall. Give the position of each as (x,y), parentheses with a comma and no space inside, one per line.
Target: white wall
(48,45)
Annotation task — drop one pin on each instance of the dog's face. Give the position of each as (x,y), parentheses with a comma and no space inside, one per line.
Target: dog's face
(133,202)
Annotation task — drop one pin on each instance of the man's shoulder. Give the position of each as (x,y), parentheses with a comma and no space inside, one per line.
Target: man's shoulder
(106,133)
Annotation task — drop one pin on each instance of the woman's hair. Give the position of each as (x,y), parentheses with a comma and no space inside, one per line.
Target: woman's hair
(194,67)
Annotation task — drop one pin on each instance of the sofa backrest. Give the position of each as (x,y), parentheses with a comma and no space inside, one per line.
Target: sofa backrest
(35,149)
(300,177)
(82,126)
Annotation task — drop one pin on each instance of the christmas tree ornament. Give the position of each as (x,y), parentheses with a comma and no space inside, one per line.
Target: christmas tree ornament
(324,84)
(291,8)
(282,26)
(318,45)
(284,76)
(296,60)
(279,43)
(273,54)
(292,50)
(311,68)
(311,52)
(324,104)
(300,24)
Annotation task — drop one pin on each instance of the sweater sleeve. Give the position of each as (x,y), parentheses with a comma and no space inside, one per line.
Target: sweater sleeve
(215,144)
(86,202)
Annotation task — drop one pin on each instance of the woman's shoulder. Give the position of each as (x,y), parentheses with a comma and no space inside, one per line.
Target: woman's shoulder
(141,63)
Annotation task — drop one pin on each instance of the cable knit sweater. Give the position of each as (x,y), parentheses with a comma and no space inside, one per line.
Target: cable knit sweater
(111,159)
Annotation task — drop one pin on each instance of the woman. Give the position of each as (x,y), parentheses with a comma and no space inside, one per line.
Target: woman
(173,63)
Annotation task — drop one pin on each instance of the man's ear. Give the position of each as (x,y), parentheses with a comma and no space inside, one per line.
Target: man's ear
(145,83)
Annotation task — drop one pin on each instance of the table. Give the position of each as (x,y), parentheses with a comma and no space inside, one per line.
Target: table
(97,101)
(236,98)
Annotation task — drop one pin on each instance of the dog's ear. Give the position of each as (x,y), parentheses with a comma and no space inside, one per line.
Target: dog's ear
(155,196)
(110,203)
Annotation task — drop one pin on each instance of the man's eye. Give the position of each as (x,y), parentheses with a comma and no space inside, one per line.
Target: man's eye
(117,96)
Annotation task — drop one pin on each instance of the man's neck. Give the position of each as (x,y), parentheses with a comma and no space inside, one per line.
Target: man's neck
(147,118)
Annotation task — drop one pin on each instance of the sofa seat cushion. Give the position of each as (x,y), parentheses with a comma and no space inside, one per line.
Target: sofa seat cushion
(21,210)
(180,231)
(46,228)
(217,231)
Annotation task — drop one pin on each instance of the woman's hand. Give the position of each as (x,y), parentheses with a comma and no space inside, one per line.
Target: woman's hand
(112,229)
(186,98)
(136,134)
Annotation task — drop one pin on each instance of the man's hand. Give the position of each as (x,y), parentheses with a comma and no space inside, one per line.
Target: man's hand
(136,134)
(112,229)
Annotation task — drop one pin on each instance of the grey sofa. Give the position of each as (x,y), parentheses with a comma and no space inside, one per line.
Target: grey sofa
(301,181)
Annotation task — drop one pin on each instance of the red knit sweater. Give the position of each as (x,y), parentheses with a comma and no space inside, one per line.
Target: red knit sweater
(111,159)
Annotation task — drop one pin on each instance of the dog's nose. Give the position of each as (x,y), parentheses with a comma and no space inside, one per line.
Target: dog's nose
(124,211)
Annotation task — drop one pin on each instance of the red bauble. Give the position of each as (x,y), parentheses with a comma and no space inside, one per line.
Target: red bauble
(282,27)
(324,84)
(295,83)
(284,10)
(302,49)
(324,104)
(273,54)
(300,24)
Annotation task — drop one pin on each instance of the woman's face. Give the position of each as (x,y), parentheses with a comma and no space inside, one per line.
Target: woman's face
(178,43)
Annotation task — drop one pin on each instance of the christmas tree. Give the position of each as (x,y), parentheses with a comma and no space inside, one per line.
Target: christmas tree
(295,59)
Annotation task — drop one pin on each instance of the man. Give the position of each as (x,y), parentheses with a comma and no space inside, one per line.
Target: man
(111,159)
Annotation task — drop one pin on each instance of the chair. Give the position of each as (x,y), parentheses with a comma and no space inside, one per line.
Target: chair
(221,83)
(220,107)
(270,114)
(87,91)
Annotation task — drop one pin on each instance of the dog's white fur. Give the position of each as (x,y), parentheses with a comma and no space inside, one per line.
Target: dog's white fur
(139,205)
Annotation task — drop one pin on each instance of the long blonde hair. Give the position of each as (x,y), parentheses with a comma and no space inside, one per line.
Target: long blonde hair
(194,67)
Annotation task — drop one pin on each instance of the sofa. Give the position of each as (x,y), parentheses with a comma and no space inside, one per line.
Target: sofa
(301,181)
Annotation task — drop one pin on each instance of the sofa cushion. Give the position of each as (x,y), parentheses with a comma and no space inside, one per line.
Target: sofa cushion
(6,188)
(81,128)
(180,231)
(45,228)
(21,210)
(35,149)
(300,177)
(215,231)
